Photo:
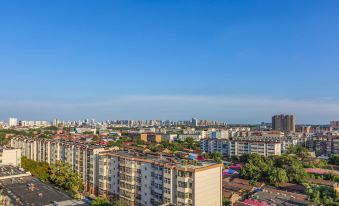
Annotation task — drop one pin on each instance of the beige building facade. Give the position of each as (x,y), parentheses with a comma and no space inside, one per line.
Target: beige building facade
(143,179)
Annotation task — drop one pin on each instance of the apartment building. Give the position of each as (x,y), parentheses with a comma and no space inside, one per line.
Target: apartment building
(10,156)
(195,137)
(12,122)
(241,146)
(150,137)
(323,144)
(31,123)
(285,123)
(219,134)
(82,157)
(148,179)
(202,133)
(28,147)
(170,137)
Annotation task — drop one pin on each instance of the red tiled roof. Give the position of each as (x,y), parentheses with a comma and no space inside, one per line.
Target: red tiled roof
(255,202)
(321,182)
(321,171)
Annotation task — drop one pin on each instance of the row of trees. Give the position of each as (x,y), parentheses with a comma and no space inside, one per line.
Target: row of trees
(322,195)
(37,169)
(334,159)
(329,176)
(63,176)
(179,145)
(216,156)
(301,152)
(46,132)
(4,132)
(275,169)
(188,143)
(118,142)
(104,202)
(60,174)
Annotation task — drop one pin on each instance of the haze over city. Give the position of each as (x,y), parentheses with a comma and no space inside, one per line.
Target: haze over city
(235,61)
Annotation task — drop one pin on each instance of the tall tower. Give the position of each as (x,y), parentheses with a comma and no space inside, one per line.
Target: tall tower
(13,122)
(194,122)
(284,123)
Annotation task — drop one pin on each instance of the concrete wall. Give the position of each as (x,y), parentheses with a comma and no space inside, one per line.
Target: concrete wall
(208,187)
(11,157)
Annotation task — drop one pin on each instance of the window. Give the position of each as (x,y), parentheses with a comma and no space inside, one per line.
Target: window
(186,195)
(167,191)
(181,195)
(182,184)
(181,174)
(167,180)
(189,174)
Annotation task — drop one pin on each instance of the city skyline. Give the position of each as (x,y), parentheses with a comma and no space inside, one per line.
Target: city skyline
(305,111)
(239,62)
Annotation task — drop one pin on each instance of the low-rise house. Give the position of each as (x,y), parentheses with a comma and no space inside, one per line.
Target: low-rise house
(290,187)
(273,197)
(327,183)
(235,188)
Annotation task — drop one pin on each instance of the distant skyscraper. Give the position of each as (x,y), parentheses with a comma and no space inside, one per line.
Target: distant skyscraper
(284,123)
(13,122)
(55,122)
(194,122)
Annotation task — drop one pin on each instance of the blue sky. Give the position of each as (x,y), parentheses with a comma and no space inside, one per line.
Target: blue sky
(237,61)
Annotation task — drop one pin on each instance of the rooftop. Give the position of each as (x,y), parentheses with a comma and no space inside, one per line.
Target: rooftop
(9,171)
(30,191)
(238,186)
(274,198)
(327,183)
(161,158)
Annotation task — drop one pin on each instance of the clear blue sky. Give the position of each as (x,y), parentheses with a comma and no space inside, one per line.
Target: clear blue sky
(238,61)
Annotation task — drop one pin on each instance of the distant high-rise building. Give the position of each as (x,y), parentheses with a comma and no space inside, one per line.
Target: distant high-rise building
(194,122)
(55,122)
(13,122)
(285,123)
(335,124)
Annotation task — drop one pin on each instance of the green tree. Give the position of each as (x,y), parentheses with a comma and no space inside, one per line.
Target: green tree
(244,158)
(101,202)
(334,159)
(62,175)
(51,128)
(294,168)
(189,143)
(139,142)
(322,195)
(296,173)
(299,150)
(277,176)
(217,156)
(165,144)
(37,169)
(119,203)
(250,171)
(225,202)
